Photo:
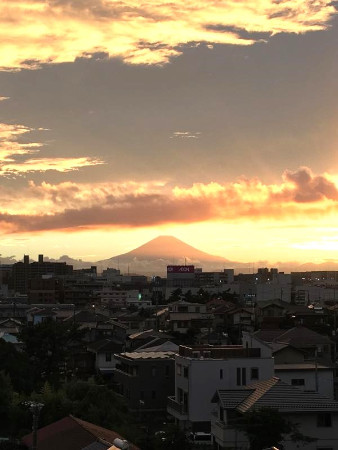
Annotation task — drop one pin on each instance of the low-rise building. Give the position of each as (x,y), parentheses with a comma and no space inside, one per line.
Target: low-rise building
(199,370)
(316,416)
(145,379)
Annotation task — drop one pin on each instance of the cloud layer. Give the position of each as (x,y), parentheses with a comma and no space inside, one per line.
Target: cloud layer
(34,32)
(11,149)
(72,206)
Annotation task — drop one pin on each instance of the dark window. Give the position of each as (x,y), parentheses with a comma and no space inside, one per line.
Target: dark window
(141,395)
(254,373)
(108,357)
(179,369)
(324,420)
(244,376)
(238,376)
(298,382)
(221,414)
(241,376)
(153,395)
(167,371)
(221,374)
(186,372)
(153,371)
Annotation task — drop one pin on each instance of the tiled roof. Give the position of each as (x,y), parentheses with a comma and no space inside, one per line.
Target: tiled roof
(71,433)
(230,399)
(104,345)
(299,337)
(273,393)
(148,355)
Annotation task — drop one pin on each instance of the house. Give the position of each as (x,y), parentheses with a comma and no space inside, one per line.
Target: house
(71,433)
(146,379)
(315,415)
(201,369)
(312,343)
(292,365)
(186,315)
(11,326)
(104,351)
(146,338)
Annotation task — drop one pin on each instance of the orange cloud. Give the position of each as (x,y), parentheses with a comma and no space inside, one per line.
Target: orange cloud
(10,148)
(34,32)
(301,195)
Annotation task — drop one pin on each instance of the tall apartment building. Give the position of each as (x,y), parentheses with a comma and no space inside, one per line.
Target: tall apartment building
(24,271)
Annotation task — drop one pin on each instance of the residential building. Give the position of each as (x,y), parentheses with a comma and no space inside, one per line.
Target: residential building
(146,379)
(316,416)
(202,369)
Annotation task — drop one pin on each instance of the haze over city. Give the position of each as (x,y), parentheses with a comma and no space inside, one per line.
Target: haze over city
(211,122)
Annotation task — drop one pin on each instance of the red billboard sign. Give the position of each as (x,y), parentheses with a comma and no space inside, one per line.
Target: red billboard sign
(180,269)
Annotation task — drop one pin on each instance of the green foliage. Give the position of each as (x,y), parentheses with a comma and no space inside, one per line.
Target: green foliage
(48,346)
(16,365)
(266,427)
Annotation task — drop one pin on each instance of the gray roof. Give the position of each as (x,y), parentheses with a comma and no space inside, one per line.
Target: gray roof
(273,393)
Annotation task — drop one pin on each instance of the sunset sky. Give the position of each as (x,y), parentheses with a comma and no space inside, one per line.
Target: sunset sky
(215,121)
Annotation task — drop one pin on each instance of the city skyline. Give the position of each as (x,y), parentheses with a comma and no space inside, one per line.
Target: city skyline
(211,122)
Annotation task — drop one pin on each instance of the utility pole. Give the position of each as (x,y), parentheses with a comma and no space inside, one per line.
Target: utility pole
(35,409)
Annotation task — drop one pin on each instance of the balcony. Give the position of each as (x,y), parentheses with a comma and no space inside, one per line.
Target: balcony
(176,409)
(226,436)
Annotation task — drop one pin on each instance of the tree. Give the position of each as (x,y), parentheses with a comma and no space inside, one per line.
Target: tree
(16,365)
(266,427)
(48,346)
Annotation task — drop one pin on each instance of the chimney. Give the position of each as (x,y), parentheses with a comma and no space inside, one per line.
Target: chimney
(40,259)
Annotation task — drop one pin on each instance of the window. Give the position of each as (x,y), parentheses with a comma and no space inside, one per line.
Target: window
(185,372)
(141,395)
(221,414)
(298,382)
(241,376)
(324,420)
(238,376)
(221,374)
(108,357)
(254,373)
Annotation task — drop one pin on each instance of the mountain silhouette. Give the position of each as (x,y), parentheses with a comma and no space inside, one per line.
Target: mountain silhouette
(169,247)
(156,254)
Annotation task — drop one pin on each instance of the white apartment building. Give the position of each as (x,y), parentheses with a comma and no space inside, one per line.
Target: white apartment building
(200,370)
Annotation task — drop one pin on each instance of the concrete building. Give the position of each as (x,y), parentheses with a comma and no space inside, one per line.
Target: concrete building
(202,369)
(145,379)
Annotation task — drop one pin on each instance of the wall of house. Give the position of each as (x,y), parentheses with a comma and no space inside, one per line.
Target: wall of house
(327,437)
(324,377)
(205,376)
